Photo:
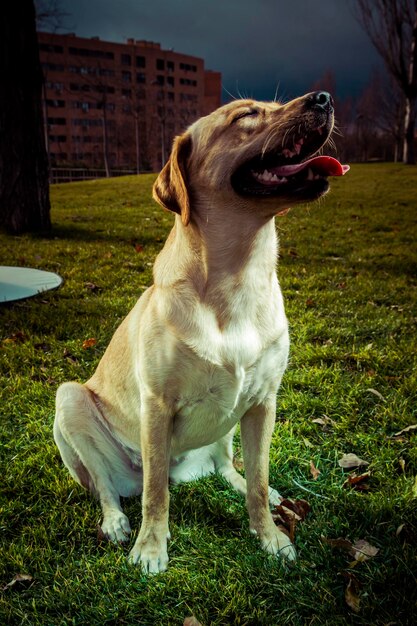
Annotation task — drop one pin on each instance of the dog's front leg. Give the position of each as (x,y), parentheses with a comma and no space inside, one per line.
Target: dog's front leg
(256,428)
(150,549)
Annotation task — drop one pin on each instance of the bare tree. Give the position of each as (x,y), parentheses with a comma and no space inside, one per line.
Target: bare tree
(24,188)
(392,28)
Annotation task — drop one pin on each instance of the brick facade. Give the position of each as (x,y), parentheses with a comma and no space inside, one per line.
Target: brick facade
(125,101)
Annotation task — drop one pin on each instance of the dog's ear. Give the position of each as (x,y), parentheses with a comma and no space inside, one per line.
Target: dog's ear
(170,188)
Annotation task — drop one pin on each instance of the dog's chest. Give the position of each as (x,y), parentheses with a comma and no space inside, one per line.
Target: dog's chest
(217,393)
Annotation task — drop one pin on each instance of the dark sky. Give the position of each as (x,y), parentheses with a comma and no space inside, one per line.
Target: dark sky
(256,44)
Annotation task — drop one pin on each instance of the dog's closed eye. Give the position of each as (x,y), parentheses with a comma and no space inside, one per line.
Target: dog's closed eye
(247,113)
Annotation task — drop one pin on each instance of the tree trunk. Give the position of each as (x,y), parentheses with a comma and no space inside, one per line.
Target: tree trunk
(409,128)
(105,141)
(24,185)
(137,140)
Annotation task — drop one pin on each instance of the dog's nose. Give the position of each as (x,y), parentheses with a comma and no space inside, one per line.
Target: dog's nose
(321,100)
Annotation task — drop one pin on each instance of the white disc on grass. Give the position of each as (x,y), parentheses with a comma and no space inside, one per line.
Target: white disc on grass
(17,283)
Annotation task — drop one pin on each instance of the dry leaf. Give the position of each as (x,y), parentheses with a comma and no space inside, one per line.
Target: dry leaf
(92,287)
(349,461)
(356,481)
(19,578)
(408,429)
(314,471)
(399,530)
(191,621)
(352,593)
(414,489)
(324,421)
(345,544)
(18,337)
(289,513)
(377,394)
(89,343)
(362,550)
(402,465)
(282,213)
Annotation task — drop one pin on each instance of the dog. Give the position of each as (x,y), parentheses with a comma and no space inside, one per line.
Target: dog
(206,346)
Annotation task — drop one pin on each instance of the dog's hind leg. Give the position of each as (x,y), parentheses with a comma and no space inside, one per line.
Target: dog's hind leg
(93,457)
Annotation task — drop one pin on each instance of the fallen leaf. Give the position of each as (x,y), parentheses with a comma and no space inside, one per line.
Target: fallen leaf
(414,489)
(314,471)
(341,285)
(356,481)
(325,421)
(307,443)
(293,252)
(191,621)
(349,461)
(92,287)
(18,337)
(377,394)
(402,465)
(282,213)
(310,302)
(362,550)
(138,247)
(89,343)
(352,593)
(70,357)
(288,514)
(19,578)
(340,542)
(408,429)
(399,530)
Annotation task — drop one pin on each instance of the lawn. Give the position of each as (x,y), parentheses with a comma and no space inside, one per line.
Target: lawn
(348,270)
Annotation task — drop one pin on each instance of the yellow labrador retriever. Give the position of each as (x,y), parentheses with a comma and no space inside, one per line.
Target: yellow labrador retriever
(206,346)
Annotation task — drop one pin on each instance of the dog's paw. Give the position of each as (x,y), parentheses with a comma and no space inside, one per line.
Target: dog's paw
(277,543)
(150,553)
(116,527)
(151,559)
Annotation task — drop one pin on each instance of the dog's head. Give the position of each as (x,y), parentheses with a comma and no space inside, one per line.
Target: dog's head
(260,154)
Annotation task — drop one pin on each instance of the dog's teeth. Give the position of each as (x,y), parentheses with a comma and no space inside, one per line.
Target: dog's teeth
(317,176)
(284,180)
(297,147)
(274,178)
(310,175)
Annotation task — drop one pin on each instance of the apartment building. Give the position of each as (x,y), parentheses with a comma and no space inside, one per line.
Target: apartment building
(119,105)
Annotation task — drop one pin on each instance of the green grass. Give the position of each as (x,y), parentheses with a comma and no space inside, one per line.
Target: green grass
(348,269)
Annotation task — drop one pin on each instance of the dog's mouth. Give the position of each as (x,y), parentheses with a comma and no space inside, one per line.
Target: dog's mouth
(293,173)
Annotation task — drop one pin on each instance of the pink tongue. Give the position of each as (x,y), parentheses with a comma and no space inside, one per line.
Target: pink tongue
(324,165)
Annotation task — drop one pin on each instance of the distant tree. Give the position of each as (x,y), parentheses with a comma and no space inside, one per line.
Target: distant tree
(392,28)
(24,185)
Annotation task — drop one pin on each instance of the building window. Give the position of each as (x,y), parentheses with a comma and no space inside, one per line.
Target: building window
(56,104)
(57,86)
(127,93)
(140,61)
(170,81)
(49,47)
(52,67)
(188,81)
(85,52)
(140,77)
(127,77)
(160,64)
(187,67)
(126,59)
(170,66)
(160,80)
(56,121)
(57,138)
